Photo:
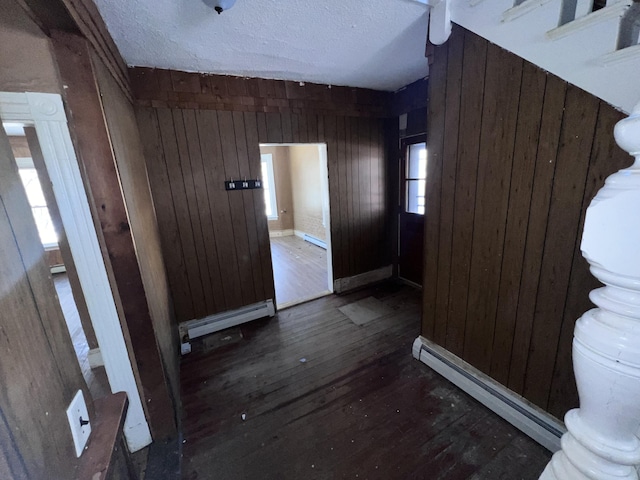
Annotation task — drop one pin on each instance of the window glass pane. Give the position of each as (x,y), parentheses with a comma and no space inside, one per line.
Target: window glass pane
(32,187)
(415,196)
(31,184)
(417,161)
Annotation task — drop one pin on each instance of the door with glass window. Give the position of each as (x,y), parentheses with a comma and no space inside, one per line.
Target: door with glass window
(413,174)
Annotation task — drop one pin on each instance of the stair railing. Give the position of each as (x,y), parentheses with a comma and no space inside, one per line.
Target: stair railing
(602,440)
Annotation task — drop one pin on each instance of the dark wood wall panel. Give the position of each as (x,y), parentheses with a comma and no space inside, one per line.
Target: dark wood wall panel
(497,136)
(308,102)
(448,183)
(216,243)
(104,131)
(464,200)
(515,157)
(437,89)
(524,164)
(572,163)
(163,344)
(551,122)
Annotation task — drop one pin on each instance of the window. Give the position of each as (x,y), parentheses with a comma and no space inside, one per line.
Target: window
(415,178)
(269,186)
(32,187)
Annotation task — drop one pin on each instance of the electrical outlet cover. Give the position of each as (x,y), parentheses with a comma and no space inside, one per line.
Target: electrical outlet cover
(78,410)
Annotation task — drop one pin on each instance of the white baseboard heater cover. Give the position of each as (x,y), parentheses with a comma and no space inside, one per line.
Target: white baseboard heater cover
(214,323)
(531,420)
(315,241)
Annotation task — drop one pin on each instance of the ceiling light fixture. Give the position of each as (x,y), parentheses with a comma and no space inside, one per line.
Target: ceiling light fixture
(220,5)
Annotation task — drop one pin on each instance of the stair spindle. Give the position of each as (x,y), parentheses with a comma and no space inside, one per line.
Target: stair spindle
(602,440)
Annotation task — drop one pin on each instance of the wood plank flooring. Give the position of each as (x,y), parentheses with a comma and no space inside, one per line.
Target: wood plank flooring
(299,270)
(97,378)
(309,394)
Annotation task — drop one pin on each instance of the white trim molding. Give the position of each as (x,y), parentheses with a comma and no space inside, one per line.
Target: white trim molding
(46,112)
(439,21)
(341,285)
(538,424)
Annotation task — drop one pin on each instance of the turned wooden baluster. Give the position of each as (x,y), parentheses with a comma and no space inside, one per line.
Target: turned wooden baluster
(602,439)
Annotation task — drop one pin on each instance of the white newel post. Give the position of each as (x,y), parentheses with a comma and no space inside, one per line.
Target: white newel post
(602,439)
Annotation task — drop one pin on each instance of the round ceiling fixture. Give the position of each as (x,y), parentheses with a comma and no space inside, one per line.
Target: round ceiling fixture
(220,5)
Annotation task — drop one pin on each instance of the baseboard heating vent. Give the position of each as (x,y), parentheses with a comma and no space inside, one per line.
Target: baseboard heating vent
(531,420)
(315,241)
(214,323)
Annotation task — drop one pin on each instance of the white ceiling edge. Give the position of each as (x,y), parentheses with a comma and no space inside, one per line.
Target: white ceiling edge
(376,44)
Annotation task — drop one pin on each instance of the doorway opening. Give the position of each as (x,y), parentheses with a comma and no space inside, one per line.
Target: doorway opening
(296,190)
(46,114)
(35,181)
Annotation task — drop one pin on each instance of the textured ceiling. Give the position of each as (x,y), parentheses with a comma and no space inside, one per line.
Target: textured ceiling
(360,43)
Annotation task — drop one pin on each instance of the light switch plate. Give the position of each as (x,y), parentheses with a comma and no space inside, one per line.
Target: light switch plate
(77,415)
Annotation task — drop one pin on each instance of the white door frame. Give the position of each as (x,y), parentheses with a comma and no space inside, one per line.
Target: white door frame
(45,112)
(326,206)
(326,209)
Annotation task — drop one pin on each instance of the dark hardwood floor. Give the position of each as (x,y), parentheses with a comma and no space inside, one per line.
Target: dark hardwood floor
(299,270)
(308,394)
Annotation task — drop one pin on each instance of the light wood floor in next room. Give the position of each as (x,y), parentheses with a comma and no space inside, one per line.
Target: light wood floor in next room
(96,378)
(299,270)
(310,395)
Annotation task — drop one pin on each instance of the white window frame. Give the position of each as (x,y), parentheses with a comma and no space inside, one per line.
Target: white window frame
(268,159)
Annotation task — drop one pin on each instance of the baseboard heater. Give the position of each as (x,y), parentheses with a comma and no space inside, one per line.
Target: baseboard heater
(315,241)
(531,420)
(214,323)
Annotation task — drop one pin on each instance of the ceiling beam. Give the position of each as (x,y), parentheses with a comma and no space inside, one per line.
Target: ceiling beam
(83,17)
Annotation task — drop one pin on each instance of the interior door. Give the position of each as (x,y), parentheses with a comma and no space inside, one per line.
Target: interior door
(413,173)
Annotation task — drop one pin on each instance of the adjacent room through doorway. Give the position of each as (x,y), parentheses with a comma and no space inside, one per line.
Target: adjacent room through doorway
(35,180)
(296,191)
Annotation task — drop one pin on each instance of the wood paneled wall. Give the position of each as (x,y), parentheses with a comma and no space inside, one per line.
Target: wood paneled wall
(129,157)
(216,243)
(515,157)
(103,129)
(409,98)
(175,89)
(39,371)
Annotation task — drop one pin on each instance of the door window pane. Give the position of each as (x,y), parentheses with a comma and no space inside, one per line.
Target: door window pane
(415,178)
(417,160)
(415,196)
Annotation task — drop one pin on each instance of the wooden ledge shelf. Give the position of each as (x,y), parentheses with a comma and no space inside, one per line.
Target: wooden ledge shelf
(106,456)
